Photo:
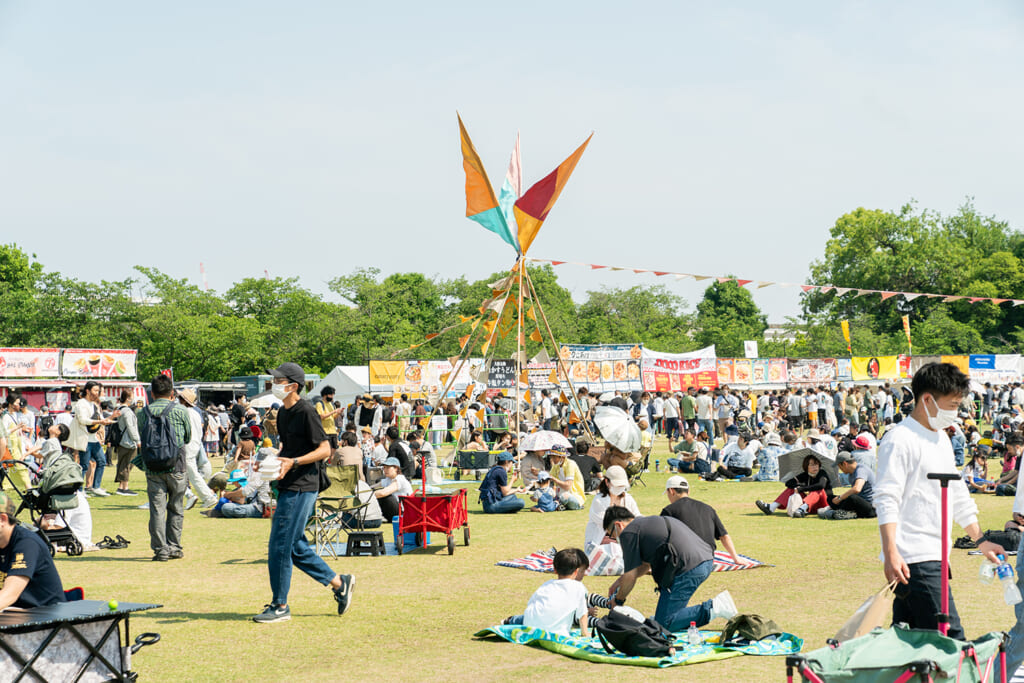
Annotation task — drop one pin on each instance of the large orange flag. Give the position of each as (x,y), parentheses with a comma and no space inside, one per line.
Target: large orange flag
(533,207)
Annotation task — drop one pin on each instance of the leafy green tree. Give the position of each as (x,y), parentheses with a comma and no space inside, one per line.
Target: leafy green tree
(649,315)
(726,317)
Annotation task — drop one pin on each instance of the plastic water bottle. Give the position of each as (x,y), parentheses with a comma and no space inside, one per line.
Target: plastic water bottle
(693,635)
(987,573)
(1011,594)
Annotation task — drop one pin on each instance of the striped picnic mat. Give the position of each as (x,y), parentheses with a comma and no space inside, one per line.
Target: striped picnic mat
(543,561)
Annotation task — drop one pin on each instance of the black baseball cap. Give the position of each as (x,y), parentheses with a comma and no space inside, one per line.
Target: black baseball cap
(292,372)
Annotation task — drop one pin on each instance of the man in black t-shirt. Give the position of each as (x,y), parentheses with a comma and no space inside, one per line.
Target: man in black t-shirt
(700,517)
(399,449)
(643,542)
(27,574)
(303,446)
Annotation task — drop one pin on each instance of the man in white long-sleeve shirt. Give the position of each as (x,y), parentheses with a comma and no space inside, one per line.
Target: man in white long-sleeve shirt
(909,504)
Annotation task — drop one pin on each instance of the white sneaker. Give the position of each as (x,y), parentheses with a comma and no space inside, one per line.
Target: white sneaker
(100,492)
(723,606)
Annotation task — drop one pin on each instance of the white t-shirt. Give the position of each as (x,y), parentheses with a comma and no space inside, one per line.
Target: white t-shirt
(555,605)
(594,532)
(659,407)
(703,407)
(404,487)
(671,407)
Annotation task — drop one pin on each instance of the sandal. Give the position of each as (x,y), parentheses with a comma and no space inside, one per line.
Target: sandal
(123,540)
(107,543)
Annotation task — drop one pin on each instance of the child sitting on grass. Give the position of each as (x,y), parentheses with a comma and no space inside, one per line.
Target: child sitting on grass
(560,602)
(543,495)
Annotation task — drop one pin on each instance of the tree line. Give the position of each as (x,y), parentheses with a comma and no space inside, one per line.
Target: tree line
(260,321)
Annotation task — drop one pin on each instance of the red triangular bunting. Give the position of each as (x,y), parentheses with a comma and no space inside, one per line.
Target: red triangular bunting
(431,336)
(593,267)
(888,295)
(659,273)
(976,299)
(999,301)
(743,283)
(825,289)
(639,270)
(557,263)
(808,288)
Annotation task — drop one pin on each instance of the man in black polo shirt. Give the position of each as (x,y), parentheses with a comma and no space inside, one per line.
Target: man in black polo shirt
(700,517)
(27,573)
(642,542)
(303,445)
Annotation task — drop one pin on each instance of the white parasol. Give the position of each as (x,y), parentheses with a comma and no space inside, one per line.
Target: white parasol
(617,428)
(543,441)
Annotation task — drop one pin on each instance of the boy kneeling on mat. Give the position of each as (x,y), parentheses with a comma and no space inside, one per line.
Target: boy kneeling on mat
(560,602)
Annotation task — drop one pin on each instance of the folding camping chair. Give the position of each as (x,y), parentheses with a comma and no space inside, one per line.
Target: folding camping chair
(635,471)
(339,510)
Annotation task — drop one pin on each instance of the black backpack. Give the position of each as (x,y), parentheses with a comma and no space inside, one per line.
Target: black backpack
(665,563)
(158,444)
(621,632)
(115,432)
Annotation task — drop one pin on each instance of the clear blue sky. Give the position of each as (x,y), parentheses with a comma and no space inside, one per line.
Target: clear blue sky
(311,138)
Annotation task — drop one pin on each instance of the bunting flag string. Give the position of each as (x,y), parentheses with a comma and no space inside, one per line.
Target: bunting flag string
(806,288)
(463,319)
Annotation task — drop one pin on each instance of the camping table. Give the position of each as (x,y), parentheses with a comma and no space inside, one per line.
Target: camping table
(69,641)
(440,513)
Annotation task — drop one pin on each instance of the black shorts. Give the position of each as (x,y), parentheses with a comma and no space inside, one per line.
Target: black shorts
(333,438)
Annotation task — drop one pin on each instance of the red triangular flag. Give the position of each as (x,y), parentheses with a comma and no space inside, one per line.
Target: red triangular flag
(808,288)
(743,283)
(888,295)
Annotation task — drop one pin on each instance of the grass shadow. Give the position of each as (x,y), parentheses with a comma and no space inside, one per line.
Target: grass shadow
(182,617)
(238,560)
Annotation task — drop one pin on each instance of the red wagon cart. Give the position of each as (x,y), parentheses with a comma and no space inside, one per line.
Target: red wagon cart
(440,513)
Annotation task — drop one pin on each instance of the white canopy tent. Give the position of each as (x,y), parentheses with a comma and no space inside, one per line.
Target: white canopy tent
(349,381)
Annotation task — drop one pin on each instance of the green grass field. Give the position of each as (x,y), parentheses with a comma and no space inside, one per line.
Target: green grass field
(413,616)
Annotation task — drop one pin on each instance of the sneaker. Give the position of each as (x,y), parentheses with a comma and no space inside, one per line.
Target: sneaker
(144,506)
(799,513)
(273,613)
(343,593)
(827,513)
(507,621)
(161,557)
(844,514)
(723,606)
(190,502)
(100,492)
(176,554)
(763,507)
(125,492)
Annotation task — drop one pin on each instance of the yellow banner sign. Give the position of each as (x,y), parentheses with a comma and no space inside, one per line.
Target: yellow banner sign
(387,372)
(875,367)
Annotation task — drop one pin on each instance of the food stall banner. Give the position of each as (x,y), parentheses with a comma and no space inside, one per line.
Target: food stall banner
(812,370)
(844,370)
(97,363)
(385,374)
(603,367)
(541,376)
(678,371)
(501,374)
(29,363)
(875,367)
(752,372)
(1002,368)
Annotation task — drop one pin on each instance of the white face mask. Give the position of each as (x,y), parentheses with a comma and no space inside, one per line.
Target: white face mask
(942,418)
(280,391)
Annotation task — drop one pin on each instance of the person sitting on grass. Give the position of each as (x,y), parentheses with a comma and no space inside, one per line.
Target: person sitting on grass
(738,459)
(251,494)
(694,457)
(561,602)
(857,500)
(589,467)
(531,464)
(975,475)
(241,457)
(543,495)
(1006,485)
(813,485)
(496,496)
(30,576)
(768,458)
(392,485)
(614,490)
(567,480)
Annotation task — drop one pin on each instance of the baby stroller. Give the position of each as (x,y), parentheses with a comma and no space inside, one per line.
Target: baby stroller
(899,654)
(56,490)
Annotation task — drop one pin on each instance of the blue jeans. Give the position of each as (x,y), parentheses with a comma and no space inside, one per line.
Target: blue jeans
(509,503)
(709,428)
(1015,646)
(94,451)
(672,611)
(239,510)
(698,466)
(287,546)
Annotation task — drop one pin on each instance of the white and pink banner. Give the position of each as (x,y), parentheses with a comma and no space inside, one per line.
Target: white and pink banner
(99,363)
(677,371)
(29,363)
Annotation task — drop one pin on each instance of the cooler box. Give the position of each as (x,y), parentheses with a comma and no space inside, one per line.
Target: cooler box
(409,540)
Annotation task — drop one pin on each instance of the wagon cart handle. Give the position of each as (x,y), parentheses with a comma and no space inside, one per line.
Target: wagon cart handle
(942,618)
(145,639)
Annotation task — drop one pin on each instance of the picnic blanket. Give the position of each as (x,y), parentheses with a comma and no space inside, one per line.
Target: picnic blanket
(543,561)
(591,650)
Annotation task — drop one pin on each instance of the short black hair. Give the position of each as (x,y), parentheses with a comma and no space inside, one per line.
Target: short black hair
(806,463)
(161,386)
(63,432)
(349,439)
(614,514)
(568,560)
(1014,440)
(940,379)
(416,434)
(89,385)
(582,447)
(327,390)
(392,432)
